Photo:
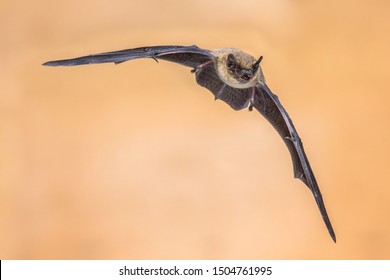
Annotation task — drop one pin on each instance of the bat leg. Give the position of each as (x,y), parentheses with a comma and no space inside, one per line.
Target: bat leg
(252,99)
(201,66)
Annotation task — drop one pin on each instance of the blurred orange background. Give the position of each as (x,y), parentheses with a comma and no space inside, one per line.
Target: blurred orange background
(136,161)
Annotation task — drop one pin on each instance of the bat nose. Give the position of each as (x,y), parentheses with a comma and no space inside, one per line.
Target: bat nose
(246,74)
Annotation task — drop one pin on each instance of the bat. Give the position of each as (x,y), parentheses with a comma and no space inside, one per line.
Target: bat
(234,77)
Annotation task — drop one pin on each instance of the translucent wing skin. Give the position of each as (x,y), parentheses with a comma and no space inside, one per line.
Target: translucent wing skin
(190,56)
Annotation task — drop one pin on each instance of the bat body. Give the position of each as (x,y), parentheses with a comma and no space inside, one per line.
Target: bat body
(234,77)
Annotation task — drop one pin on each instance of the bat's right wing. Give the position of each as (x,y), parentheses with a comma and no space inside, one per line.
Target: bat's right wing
(191,56)
(269,106)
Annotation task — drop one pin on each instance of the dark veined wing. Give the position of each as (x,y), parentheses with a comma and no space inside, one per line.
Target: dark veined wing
(190,56)
(269,106)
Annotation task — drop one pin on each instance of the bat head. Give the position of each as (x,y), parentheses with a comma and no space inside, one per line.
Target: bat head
(241,68)
(237,68)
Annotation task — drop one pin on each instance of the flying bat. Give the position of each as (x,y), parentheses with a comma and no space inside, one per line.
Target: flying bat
(234,77)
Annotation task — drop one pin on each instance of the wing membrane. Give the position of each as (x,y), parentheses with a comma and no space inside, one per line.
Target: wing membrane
(190,56)
(207,77)
(269,106)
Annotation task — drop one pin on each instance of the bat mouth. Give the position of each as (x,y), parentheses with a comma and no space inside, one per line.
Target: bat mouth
(246,75)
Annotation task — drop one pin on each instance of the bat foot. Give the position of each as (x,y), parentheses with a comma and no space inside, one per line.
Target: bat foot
(252,100)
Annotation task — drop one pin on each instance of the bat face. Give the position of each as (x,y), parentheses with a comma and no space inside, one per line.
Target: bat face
(238,69)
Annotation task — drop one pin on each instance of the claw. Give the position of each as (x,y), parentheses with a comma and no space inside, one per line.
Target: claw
(200,66)
(293,138)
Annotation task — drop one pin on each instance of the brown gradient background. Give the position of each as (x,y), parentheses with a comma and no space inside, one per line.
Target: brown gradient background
(136,161)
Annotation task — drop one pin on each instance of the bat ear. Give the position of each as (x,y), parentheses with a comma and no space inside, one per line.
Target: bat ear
(257,63)
(231,61)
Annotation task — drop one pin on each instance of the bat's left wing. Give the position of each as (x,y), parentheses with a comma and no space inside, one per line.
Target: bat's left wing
(201,60)
(269,106)
(191,56)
